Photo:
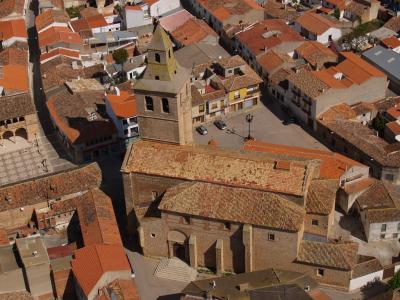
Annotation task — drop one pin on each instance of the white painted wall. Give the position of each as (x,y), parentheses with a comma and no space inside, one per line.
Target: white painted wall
(334,32)
(9,42)
(373,231)
(111,27)
(162,7)
(359,282)
(136,18)
(119,123)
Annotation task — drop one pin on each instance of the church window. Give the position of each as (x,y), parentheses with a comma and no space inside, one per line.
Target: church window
(157,57)
(149,103)
(165,105)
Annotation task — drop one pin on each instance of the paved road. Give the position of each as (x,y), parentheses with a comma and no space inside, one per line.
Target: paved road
(266,126)
(149,286)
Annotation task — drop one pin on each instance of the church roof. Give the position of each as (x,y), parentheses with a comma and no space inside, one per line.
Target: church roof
(160,40)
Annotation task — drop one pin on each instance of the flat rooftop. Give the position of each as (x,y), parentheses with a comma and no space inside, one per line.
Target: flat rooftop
(32,251)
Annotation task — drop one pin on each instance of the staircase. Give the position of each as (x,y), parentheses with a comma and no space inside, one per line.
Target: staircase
(175,269)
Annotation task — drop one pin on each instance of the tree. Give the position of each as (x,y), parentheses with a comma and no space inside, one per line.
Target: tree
(336,13)
(379,123)
(394,283)
(120,56)
(74,11)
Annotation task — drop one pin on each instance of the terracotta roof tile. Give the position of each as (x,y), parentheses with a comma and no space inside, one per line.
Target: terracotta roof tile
(14,56)
(234,168)
(277,10)
(97,219)
(192,31)
(334,255)
(16,106)
(70,114)
(321,196)
(57,71)
(333,165)
(341,111)
(394,127)
(316,54)
(124,105)
(8,73)
(308,83)
(240,205)
(74,54)
(365,140)
(13,28)
(49,17)
(272,60)
(267,34)
(122,289)
(96,21)
(58,34)
(391,42)
(315,23)
(87,12)
(393,24)
(49,187)
(90,263)
(8,7)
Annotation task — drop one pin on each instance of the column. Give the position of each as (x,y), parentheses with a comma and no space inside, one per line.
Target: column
(248,245)
(193,251)
(219,252)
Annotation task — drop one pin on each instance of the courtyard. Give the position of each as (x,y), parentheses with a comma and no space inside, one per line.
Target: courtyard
(267,126)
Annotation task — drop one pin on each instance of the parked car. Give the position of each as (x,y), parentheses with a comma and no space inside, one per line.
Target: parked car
(202,130)
(220,124)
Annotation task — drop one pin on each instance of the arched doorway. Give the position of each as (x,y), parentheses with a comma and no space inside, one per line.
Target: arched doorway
(8,135)
(177,245)
(21,132)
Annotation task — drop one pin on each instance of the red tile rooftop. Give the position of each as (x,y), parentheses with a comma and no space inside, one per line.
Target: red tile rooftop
(266,35)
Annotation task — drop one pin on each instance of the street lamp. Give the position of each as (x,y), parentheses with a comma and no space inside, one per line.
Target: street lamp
(249,119)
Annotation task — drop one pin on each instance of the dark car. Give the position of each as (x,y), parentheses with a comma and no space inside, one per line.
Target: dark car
(220,124)
(288,121)
(202,130)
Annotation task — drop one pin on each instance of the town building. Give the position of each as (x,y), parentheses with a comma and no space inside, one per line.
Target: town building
(59,37)
(36,264)
(317,27)
(210,216)
(391,42)
(23,198)
(122,109)
(142,13)
(279,10)
(330,6)
(13,32)
(163,95)
(388,61)
(175,19)
(225,86)
(315,55)
(228,17)
(96,266)
(272,34)
(193,31)
(362,11)
(97,220)
(17,119)
(246,286)
(79,115)
(361,143)
(51,18)
(14,64)
(11,274)
(12,9)
(311,93)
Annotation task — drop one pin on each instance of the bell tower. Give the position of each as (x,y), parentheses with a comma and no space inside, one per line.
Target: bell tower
(163,95)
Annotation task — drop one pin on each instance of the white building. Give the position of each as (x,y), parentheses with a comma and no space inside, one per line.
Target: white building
(121,108)
(143,12)
(315,27)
